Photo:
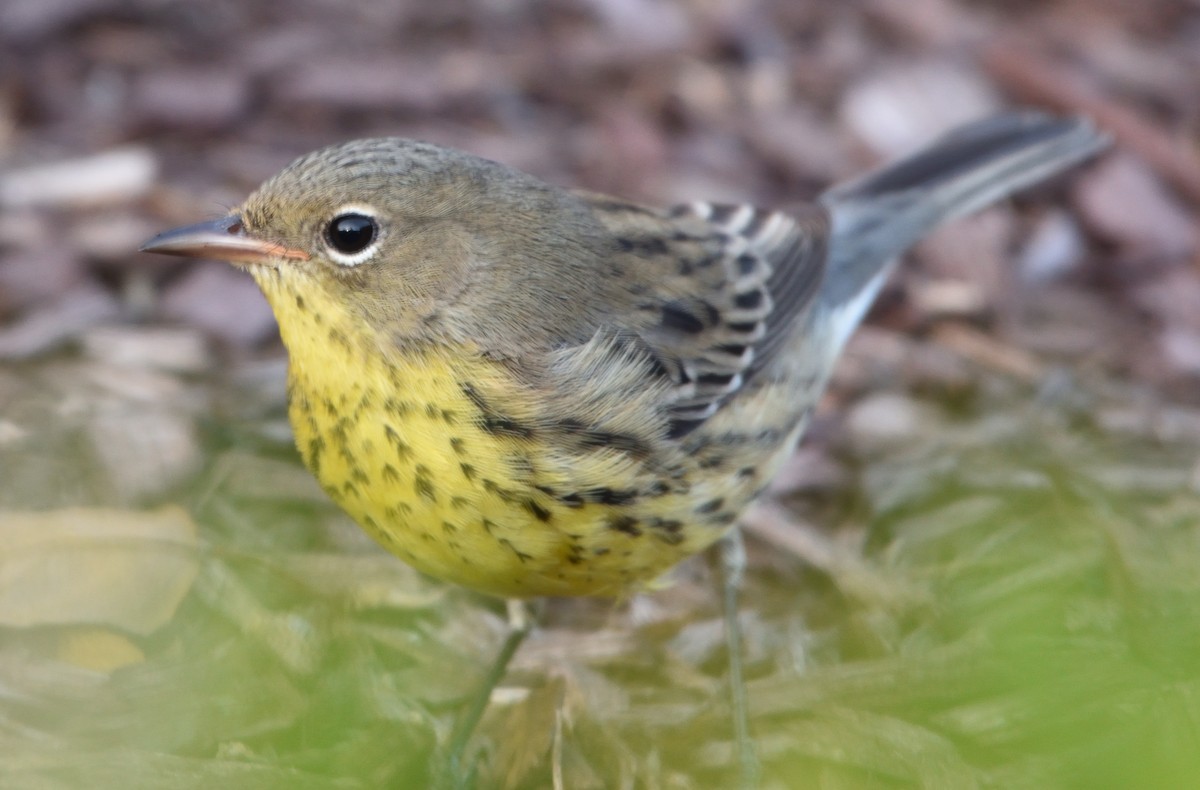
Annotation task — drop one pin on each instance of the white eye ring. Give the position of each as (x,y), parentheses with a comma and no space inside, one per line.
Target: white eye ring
(352,236)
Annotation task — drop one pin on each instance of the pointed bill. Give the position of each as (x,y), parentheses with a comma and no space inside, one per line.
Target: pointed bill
(223,239)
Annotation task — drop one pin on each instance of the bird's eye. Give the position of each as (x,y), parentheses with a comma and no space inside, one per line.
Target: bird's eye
(351,237)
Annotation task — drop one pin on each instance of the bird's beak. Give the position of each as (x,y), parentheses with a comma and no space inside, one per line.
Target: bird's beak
(223,239)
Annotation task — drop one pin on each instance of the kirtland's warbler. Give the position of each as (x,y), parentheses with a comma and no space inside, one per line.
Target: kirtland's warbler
(530,390)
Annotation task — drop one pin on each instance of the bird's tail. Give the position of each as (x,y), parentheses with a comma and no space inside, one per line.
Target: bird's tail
(878,216)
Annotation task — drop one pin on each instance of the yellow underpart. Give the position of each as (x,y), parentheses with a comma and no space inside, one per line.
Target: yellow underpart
(397,442)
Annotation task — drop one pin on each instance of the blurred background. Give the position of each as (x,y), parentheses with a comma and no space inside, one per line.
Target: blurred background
(980,570)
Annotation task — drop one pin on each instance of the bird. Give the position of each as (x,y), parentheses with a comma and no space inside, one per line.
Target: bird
(535,391)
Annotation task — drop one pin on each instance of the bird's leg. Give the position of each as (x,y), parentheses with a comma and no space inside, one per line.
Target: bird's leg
(520,622)
(731,556)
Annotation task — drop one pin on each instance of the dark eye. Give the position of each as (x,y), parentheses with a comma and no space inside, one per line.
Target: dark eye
(351,233)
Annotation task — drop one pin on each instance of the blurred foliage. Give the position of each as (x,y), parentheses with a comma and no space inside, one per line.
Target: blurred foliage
(1029,620)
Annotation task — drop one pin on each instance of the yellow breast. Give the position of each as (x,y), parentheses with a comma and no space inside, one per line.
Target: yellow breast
(406,444)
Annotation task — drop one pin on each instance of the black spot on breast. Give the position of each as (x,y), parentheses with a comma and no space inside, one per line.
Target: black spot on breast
(458,502)
(668,530)
(522,556)
(403,450)
(572,500)
(432,411)
(744,327)
(456,444)
(591,437)
(424,486)
(626,524)
(539,512)
(711,505)
(503,493)
(338,337)
(390,475)
(339,435)
(492,420)
(610,496)
(316,446)
(468,471)
(521,466)
(359,476)
(449,528)
(300,303)
(398,407)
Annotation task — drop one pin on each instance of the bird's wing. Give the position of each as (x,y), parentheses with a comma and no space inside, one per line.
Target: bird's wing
(716,292)
(732,321)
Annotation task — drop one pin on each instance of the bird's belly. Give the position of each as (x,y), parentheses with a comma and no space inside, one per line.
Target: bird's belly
(408,454)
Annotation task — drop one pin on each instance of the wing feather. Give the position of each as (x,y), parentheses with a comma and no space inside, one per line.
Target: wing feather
(729,328)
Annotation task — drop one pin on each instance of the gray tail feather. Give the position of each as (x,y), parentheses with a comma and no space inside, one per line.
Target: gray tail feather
(878,216)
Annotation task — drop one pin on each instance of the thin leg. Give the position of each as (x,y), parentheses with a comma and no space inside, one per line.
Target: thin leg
(732,558)
(519,624)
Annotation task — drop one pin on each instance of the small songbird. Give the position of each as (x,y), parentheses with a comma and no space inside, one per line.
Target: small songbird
(534,391)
